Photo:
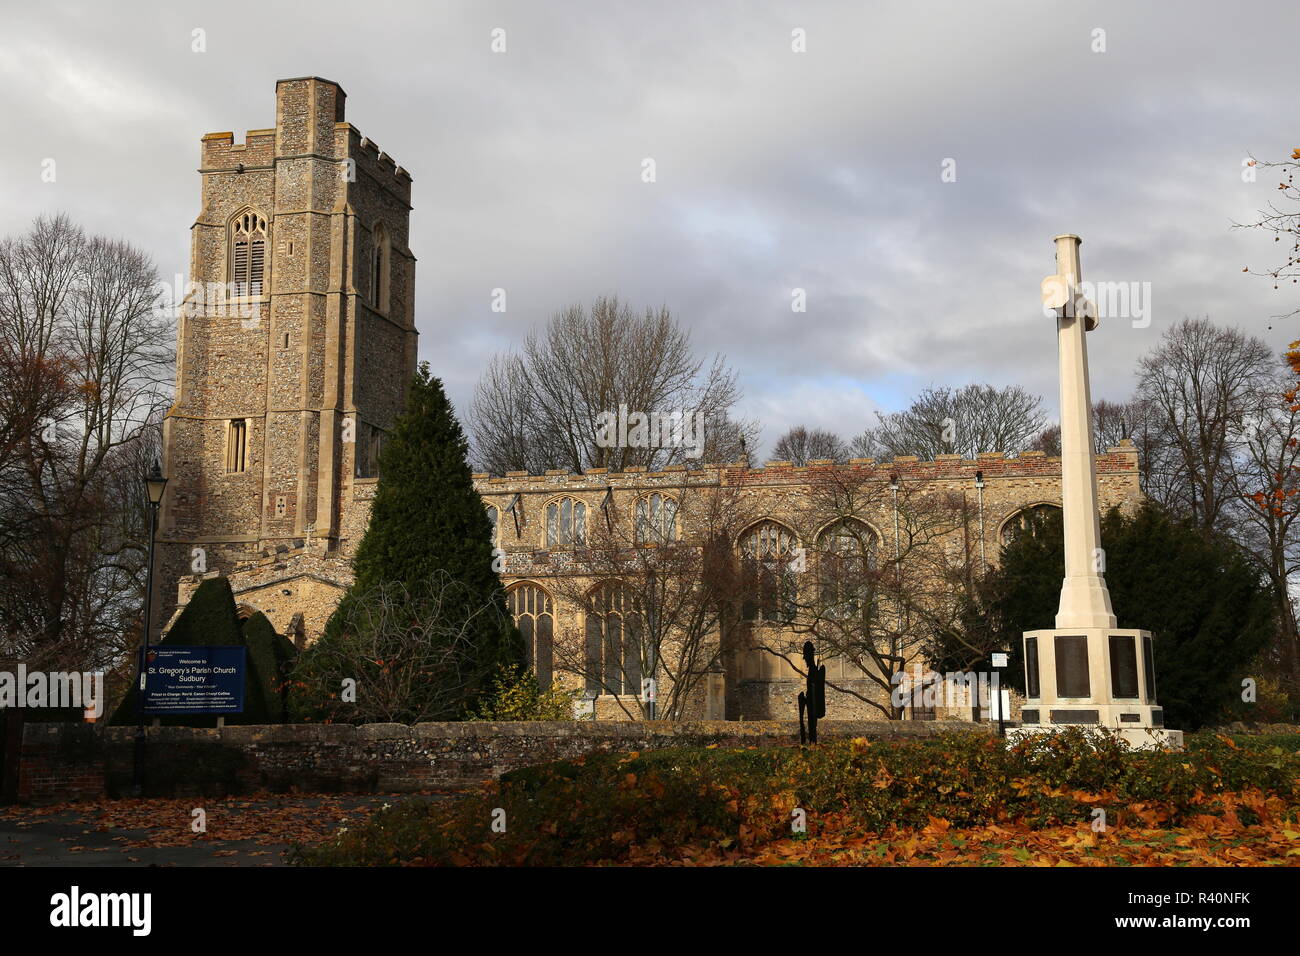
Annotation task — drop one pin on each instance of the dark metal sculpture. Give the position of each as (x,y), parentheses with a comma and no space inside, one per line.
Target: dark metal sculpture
(813,700)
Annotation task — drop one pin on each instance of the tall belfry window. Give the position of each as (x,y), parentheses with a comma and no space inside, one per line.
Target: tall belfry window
(380,268)
(247,254)
(237,446)
(369,446)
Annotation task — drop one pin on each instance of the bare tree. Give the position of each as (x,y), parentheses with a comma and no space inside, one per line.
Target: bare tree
(965,421)
(1202,387)
(410,651)
(864,598)
(1112,423)
(1048,441)
(549,405)
(801,445)
(1284,224)
(1268,486)
(662,596)
(82,314)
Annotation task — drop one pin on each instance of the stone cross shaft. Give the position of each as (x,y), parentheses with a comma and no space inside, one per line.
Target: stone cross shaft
(1085,602)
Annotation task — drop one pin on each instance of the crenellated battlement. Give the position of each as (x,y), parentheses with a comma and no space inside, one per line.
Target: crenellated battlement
(1121,459)
(302,106)
(220,151)
(366,153)
(303,238)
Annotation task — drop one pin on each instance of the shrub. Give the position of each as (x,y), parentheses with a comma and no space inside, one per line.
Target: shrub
(428,521)
(596,808)
(1207,608)
(210,618)
(413,653)
(516,695)
(1272,704)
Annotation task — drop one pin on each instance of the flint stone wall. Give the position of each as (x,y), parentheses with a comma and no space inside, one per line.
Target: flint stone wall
(63,762)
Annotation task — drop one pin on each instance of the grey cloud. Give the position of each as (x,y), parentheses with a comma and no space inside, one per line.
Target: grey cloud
(775,170)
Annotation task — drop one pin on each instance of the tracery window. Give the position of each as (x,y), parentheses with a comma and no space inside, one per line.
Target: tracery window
(613,653)
(768,551)
(247,253)
(534,615)
(656,519)
(846,561)
(1022,520)
(566,523)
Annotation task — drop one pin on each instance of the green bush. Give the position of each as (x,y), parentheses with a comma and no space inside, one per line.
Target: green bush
(1272,704)
(211,618)
(516,695)
(399,654)
(1207,608)
(593,809)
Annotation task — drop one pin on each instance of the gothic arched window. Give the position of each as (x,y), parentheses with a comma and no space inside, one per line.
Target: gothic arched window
(846,560)
(1024,520)
(247,253)
(367,449)
(494,519)
(534,615)
(768,551)
(237,446)
(656,519)
(566,523)
(613,654)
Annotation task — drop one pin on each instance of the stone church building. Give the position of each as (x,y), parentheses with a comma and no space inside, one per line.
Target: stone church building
(293,351)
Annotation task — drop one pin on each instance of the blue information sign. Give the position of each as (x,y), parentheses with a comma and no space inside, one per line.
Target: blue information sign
(194,680)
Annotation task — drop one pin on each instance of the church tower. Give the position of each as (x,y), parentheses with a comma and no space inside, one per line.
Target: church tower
(294,348)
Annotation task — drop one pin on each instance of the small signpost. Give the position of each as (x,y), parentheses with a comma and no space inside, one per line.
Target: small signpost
(1000,661)
(194,680)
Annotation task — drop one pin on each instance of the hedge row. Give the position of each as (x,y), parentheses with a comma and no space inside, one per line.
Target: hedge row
(594,809)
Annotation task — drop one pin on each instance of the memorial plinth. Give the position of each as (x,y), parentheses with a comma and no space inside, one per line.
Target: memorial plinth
(1085,671)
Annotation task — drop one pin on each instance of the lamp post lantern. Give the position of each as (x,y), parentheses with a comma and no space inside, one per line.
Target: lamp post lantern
(155,483)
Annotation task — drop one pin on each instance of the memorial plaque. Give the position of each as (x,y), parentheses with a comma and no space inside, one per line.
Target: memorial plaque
(1123,667)
(1031,667)
(1149,668)
(1072,665)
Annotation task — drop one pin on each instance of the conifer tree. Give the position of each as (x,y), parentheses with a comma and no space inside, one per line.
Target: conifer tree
(427,522)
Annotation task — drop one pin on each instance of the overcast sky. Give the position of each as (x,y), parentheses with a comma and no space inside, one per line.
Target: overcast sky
(775,170)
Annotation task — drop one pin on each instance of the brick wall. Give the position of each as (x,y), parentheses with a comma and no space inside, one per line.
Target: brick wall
(81,761)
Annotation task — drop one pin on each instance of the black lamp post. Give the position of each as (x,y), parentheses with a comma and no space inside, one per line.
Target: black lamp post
(155,483)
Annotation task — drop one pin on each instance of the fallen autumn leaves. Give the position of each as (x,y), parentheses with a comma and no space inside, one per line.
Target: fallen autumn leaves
(954,801)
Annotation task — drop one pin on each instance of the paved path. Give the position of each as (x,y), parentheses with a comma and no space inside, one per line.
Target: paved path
(243,831)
